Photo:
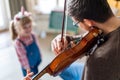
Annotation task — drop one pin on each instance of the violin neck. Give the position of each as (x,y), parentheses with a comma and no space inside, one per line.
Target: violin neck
(39,75)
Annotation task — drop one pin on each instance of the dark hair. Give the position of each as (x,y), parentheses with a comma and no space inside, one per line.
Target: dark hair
(97,10)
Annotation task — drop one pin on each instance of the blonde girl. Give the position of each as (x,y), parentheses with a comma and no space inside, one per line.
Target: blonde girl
(26,43)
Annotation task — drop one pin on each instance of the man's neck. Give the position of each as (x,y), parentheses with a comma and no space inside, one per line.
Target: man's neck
(110,25)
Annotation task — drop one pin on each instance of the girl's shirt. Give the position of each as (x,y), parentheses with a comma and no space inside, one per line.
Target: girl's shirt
(21,52)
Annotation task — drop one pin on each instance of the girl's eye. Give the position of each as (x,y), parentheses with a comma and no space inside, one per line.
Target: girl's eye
(24,27)
(27,26)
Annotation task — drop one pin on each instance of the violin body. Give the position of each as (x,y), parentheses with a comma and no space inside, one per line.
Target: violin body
(68,56)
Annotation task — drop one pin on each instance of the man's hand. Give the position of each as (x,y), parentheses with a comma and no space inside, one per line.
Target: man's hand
(56,44)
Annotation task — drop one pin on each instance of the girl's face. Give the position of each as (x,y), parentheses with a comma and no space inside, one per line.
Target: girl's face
(25,30)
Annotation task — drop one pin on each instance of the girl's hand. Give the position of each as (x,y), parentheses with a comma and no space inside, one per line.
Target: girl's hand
(28,76)
(56,44)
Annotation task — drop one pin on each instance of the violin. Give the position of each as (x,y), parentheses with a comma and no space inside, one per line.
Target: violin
(71,54)
(68,56)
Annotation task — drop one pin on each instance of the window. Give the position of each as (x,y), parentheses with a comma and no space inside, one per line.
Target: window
(4,21)
(45,6)
(61,3)
(1,18)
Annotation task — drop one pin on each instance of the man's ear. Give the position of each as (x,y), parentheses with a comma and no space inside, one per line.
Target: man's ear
(88,22)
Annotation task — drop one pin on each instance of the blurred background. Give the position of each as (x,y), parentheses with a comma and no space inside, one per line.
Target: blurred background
(47,22)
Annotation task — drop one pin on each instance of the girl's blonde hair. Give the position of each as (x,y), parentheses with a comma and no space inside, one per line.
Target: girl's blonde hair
(13,31)
(22,18)
(13,26)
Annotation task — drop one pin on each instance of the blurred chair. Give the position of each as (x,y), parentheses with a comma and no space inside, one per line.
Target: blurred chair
(55,22)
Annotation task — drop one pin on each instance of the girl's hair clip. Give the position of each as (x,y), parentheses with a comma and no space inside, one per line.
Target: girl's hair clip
(21,14)
(24,13)
(22,10)
(17,18)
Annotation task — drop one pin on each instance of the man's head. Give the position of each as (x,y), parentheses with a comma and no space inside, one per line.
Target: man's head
(97,10)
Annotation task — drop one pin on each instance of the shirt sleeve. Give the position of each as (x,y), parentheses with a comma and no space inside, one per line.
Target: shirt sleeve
(21,53)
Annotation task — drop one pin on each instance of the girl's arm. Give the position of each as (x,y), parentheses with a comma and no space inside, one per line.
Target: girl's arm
(28,76)
(21,53)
